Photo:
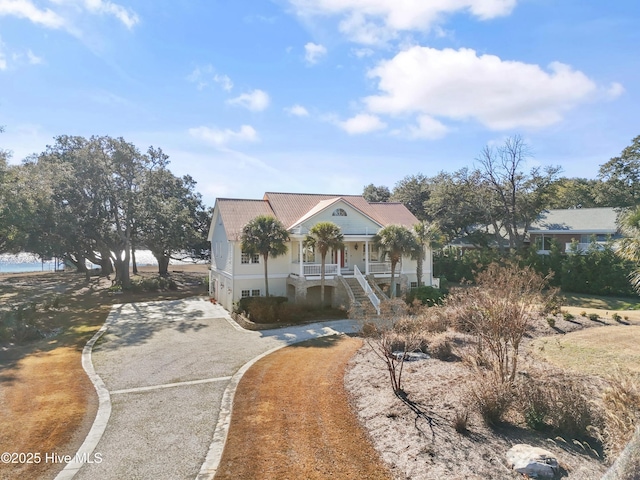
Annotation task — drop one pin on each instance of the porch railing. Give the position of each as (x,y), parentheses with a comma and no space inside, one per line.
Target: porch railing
(375,301)
(380,267)
(315,269)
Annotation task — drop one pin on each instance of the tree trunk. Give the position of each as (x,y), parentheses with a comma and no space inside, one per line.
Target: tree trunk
(79,262)
(123,276)
(419,268)
(324,256)
(134,264)
(163,264)
(392,287)
(266,277)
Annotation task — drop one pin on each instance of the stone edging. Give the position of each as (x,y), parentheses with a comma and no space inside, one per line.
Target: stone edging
(102,416)
(214,455)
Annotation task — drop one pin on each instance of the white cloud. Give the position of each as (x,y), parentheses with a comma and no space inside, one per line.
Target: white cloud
(376,21)
(127,16)
(313,52)
(256,100)
(297,110)
(201,75)
(429,128)
(67,10)
(33,58)
(220,138)
(26,9)
(362,123)
(615,90)
(460,85)
(224,81)
(362,52)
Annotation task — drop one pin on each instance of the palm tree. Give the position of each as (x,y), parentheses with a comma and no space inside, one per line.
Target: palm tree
(629,223)
(394,241)
(324,236)
(425,235)
(265,235)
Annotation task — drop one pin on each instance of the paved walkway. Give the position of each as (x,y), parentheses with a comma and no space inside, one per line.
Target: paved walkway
(166,366)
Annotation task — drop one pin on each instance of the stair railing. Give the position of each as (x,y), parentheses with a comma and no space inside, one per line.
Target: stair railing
(375,301)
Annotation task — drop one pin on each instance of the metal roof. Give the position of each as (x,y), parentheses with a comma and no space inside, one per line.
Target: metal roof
(577,220)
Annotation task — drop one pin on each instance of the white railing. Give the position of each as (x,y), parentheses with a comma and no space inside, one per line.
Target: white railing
(315,269)
(583,247)
(375,301)
(379,267)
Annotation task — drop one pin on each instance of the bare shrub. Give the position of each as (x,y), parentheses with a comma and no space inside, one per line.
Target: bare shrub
(460,421)
(553,400)
(621,402)
(533,401)
(392,348)
(492,398)
(440,347)
(499,311)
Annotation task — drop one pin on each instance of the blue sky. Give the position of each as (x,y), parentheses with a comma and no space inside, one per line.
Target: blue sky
(325,96)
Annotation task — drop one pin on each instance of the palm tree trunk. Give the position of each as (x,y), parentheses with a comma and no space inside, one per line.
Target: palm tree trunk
(266,277)
(324,256)
(392,287)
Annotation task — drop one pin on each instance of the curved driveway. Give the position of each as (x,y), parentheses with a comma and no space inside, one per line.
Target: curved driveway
(166,366)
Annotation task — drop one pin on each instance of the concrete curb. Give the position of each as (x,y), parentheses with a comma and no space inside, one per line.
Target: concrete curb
(214,455)
(83,455)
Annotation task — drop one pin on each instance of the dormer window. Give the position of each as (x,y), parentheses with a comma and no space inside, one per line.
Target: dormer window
(339,212)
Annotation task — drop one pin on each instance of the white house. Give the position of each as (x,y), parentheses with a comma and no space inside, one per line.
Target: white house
(352,274)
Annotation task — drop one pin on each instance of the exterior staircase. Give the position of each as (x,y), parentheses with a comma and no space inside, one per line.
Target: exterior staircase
(362,306)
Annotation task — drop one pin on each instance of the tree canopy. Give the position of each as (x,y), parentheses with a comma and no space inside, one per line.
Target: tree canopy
(324,236)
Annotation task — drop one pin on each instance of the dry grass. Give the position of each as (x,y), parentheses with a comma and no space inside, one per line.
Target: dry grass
(296,423)
(48,403)
(593,351)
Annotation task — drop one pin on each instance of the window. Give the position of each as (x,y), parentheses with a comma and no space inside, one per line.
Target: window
(255,293)
(543,243)
(245,293)
(339,212)
(247,258)
(414,284)
(373,254)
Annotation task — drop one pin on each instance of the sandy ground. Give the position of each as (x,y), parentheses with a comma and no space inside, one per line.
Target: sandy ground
(417,450)
(296,423)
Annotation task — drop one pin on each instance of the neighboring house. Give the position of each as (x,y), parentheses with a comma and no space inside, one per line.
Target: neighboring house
(582,225)
(353,274)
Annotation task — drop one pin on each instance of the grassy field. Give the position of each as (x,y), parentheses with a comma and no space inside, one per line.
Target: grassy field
(603,303)
(596,350)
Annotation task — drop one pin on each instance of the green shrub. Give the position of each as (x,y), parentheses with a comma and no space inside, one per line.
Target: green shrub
(594,317)
(568,316)
(262,309)
(429,296)
(551,321)
(616,317)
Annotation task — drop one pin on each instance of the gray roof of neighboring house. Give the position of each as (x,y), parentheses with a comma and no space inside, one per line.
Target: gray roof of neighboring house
(577,220)
(291,208)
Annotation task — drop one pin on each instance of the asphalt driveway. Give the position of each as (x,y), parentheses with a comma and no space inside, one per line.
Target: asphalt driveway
(166,366)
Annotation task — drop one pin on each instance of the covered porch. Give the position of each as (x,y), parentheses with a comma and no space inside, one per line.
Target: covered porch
(358,254)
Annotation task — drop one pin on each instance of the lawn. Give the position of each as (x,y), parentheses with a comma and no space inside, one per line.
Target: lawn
(596,350)
(603,303)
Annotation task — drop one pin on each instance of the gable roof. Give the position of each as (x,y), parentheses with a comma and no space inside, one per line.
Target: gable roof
(293,208)
(236,213)
(577,220)
(323,205)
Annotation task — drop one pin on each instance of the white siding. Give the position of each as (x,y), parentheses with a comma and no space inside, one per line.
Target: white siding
(355,223)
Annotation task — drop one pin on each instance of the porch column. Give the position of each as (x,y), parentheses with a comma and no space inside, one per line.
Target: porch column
(301,259)
(338,260)
(366,257)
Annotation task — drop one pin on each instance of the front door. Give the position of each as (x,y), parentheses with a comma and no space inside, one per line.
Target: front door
(338,257)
